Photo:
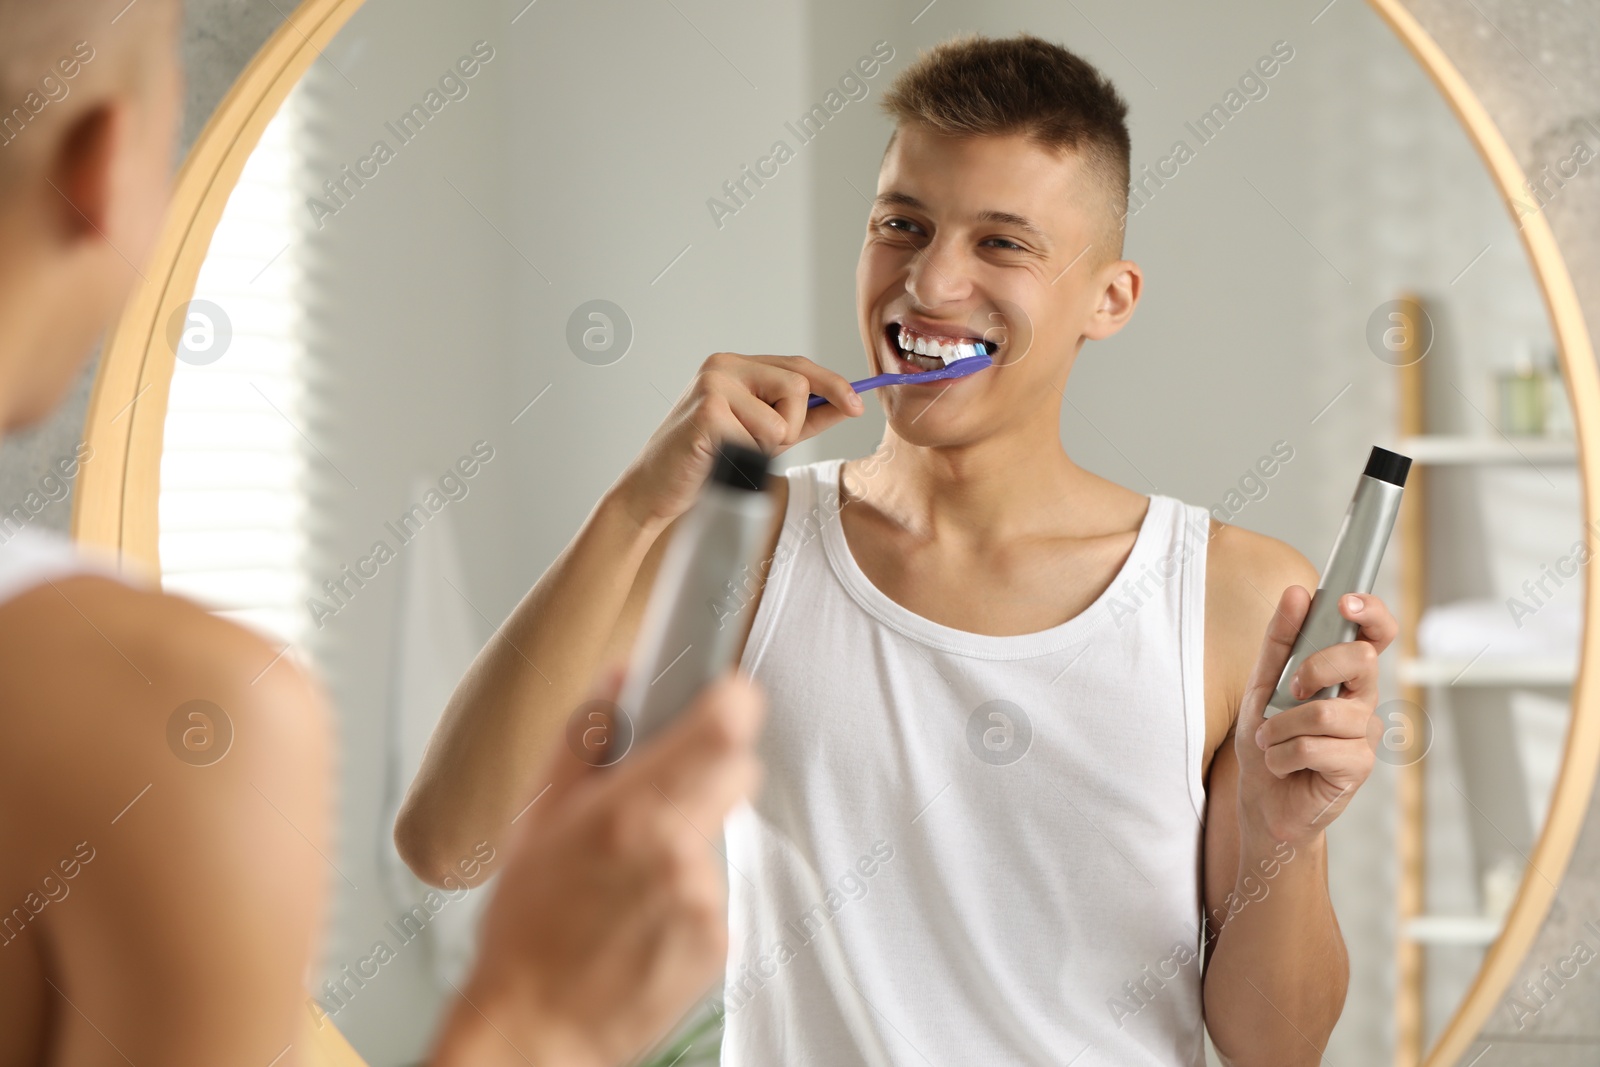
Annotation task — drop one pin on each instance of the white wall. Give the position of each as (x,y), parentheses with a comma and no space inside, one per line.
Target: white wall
(586,148)
(406,300)
(626,121)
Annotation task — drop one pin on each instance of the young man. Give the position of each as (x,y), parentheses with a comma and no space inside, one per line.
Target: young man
(157,912)
(1018,772)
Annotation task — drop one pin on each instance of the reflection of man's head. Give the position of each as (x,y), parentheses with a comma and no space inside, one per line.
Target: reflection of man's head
(999,217)
(88,108)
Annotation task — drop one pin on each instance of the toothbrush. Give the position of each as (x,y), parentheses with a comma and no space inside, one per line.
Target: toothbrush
(959,368)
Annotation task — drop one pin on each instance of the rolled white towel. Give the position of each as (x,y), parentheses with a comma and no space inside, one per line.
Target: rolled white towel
(1462,629)
(436,637)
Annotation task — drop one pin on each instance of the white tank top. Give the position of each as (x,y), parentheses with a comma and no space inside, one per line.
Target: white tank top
(970,849)
(30,557)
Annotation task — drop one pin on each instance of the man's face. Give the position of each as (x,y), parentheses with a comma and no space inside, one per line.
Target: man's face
(994,239)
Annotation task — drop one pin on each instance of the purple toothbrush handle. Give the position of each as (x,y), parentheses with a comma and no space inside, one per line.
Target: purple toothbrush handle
(959,369)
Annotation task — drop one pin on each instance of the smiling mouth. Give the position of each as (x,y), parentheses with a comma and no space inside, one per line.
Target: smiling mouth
(925,351)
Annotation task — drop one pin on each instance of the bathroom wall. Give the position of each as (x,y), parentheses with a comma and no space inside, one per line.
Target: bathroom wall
(409,356)
(551,185)
(616,140)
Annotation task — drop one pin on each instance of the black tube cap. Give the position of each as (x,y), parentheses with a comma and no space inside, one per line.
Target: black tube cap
(1388,466)
(742,468)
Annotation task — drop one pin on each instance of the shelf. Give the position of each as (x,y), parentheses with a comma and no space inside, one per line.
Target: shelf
(1488,672)
(1451,929)
(1446,449)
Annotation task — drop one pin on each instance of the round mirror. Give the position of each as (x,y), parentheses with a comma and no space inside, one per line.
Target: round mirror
(477,251)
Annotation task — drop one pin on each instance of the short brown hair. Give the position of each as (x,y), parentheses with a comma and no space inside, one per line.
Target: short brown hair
(982,86)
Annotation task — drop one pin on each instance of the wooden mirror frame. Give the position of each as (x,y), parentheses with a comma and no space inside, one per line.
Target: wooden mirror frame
(116,502)
(115,505)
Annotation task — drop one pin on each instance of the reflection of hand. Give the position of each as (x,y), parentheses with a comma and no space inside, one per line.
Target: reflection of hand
(1299,769)
(610,918)
(755,401)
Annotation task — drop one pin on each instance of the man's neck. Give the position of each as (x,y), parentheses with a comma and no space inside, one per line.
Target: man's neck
(47,314)
(28,307)
(991,490)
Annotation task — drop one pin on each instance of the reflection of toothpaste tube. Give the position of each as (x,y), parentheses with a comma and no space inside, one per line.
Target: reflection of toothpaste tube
(689,632)
(1352,568)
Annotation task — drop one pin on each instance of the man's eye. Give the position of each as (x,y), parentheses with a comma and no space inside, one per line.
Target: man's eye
(903,225)
(1009,246)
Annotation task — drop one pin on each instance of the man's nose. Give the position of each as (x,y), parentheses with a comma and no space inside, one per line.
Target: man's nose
(940,273)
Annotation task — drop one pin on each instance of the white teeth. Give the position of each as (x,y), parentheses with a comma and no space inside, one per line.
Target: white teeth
(946,353)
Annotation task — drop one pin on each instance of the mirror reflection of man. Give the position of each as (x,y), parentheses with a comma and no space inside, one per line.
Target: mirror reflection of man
(916,884)
(153,911)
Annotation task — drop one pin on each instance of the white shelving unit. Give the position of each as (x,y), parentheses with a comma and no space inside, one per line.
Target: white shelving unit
(1529,671)
(1423,679)
(1479,930)
(1448,449)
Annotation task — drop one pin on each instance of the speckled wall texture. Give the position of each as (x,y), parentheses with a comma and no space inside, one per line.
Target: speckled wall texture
(1536,66)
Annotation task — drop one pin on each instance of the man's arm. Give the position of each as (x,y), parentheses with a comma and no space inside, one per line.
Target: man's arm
(497,728)
(479,768)
(1276,970)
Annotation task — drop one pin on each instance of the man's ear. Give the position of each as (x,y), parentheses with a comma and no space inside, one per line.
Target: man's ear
(1121,282)
(82,171)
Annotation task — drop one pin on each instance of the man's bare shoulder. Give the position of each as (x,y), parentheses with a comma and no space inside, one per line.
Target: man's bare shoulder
(108,687)
(163,817)
(1246,573)
(89,611)
(1240,558)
